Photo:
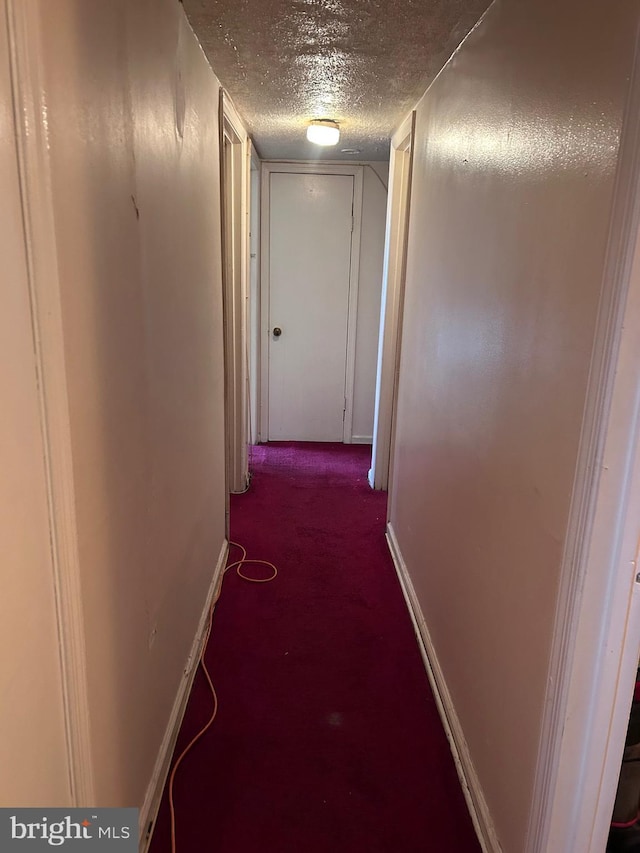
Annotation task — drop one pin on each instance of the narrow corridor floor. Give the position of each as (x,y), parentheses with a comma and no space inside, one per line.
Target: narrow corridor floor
(327,738)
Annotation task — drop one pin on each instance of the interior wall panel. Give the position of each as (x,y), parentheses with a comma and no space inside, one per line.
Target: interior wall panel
(133,124)
(374,207)
(515,158)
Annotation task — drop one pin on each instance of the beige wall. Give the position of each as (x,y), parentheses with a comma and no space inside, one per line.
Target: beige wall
(32,743)
(132,111)
(515,154)
(374,207)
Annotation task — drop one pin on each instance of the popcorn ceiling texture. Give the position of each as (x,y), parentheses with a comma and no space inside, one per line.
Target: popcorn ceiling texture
(364,63)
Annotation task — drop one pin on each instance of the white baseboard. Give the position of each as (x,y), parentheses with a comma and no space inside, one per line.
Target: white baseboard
(469,781)
(370,478)
(361,439)
(149,809)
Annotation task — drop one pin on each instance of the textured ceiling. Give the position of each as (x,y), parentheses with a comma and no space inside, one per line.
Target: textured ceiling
(363,63)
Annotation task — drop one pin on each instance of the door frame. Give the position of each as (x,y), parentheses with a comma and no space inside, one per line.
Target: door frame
(25,35)
(357,172)
(235,154)
(254,296)
(392,301)
(596,641)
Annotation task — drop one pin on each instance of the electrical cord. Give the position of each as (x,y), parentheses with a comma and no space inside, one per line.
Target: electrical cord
(237,565)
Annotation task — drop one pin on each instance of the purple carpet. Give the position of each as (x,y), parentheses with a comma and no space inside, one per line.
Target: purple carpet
(327,739)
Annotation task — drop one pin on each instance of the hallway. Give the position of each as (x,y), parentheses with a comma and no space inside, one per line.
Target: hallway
(488,156)
(327,736)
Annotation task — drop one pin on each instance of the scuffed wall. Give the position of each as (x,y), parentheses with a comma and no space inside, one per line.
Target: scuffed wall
(132,111)
(515,156)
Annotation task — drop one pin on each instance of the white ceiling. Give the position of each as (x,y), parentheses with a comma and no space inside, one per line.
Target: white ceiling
(363,63)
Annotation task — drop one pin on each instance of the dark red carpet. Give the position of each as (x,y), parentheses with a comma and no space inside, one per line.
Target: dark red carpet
(327,738)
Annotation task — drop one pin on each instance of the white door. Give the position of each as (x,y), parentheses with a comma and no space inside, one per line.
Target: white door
(310,236)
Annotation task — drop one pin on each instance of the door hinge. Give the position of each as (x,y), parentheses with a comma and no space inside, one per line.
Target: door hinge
(344,410)
(352,221)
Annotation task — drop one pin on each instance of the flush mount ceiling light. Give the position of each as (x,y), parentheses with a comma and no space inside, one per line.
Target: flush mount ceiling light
(323,131)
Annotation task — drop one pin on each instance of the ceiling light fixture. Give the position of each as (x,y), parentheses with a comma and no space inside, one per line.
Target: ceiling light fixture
(323,131)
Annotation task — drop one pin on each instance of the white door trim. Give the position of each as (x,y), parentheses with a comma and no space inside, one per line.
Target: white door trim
(268,168)
(254,299)
(30,113)
(235,250)
(392,301)
(352,319)
(597,638)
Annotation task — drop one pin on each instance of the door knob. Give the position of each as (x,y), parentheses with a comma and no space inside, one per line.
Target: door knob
(277,331)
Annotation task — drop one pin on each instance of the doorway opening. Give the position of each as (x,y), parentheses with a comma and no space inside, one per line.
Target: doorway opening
(235,158)
(315,259)
(392,302)
(310,256)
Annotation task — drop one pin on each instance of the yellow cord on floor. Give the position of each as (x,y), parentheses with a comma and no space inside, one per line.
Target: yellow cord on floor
(237,565)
